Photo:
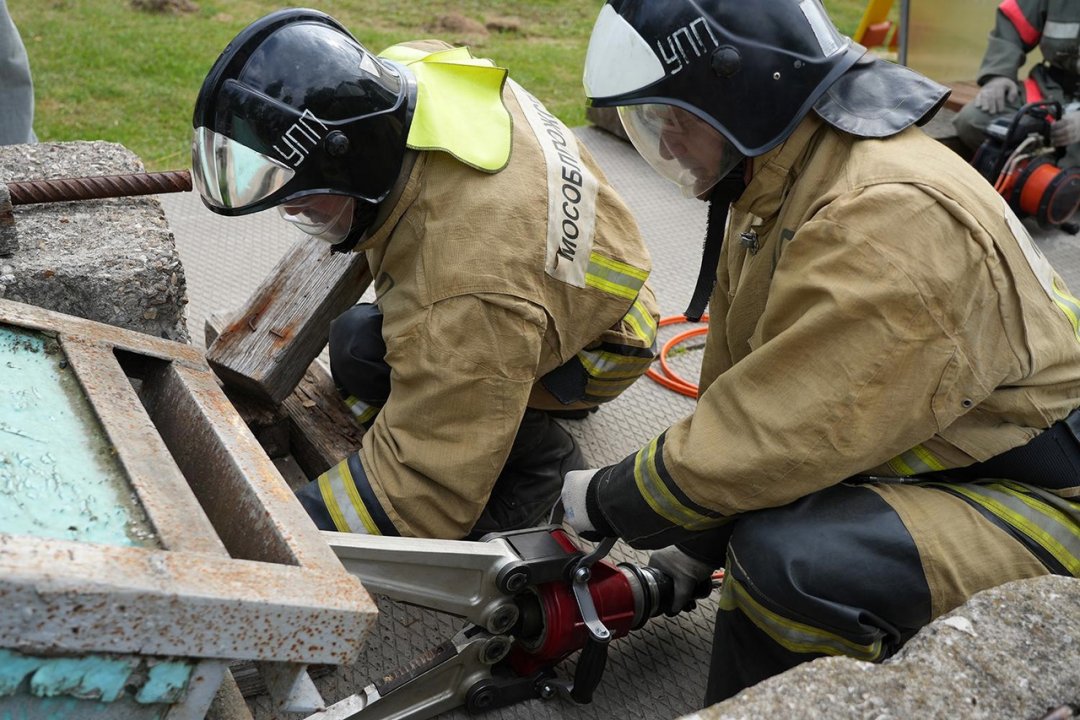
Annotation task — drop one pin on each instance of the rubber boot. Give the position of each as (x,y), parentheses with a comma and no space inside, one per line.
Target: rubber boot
(527,491)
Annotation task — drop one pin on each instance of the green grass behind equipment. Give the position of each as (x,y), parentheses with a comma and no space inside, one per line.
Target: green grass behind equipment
(105,70)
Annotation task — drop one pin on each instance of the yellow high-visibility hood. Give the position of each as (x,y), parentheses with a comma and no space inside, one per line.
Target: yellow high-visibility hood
(459,106)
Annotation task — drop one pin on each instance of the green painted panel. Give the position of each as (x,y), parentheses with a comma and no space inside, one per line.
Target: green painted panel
(166,683)
(59,475)
(90,677)
(80,687)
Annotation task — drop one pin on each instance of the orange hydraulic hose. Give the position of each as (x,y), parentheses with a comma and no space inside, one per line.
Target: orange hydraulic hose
(669,378)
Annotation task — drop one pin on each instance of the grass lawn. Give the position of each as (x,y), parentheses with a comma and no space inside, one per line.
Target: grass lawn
(104,70)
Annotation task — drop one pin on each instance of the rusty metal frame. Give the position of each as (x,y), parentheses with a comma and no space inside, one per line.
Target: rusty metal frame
(243,573)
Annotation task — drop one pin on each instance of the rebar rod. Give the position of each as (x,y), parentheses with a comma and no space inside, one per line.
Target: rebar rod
(103,186)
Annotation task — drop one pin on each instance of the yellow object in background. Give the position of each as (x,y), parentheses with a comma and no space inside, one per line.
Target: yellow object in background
(875,25)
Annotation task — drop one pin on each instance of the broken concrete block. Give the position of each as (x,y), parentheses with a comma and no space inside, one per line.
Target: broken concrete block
(112,260)
(1009,652)
(9,238)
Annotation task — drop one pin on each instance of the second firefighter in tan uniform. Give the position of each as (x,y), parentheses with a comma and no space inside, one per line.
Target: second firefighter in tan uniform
(887,420)
(852,281)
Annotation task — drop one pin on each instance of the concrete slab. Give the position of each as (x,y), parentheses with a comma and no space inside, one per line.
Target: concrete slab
(112,260)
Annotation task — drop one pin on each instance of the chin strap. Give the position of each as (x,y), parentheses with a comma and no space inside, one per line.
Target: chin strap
(725,192)
(363,217)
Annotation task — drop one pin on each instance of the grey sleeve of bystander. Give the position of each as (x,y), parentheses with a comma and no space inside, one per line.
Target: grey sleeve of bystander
(16,86)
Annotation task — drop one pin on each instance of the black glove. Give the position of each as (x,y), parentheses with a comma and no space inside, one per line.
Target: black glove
(691,578)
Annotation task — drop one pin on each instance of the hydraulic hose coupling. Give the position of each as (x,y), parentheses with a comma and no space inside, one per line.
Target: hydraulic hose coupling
(651,589)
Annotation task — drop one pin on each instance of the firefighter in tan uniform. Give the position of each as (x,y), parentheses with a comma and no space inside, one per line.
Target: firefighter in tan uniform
(1019,26)
(886,422)
(509,277)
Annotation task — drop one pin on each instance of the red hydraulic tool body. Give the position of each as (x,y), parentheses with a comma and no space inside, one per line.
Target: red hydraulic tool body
(531,599)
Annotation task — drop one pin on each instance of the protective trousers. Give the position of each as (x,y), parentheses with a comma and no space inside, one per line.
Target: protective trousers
(857,569)
(527,489)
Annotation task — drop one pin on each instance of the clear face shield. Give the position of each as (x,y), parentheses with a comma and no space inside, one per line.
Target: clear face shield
(230,175)
(680,146)
(323,217)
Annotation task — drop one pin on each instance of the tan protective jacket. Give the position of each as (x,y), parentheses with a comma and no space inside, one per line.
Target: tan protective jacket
(879,310)
(486,283)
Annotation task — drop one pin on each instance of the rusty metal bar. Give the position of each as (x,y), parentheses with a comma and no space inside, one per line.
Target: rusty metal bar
(102,186)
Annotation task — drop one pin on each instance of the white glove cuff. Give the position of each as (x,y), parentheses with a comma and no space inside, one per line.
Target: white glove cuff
(575,487)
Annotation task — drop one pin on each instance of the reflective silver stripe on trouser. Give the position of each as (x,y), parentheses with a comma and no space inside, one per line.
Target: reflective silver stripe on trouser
(836,572)
(794,636)
(363,412)
(1051,523)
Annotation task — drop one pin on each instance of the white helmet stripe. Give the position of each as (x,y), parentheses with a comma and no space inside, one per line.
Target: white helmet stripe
(618,60)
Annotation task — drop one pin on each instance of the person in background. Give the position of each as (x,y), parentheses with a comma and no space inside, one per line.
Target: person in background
(510,278)
(887,418)
(16,85)
(1019,27)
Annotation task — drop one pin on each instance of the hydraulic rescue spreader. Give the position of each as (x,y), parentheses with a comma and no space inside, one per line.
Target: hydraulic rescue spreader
(530,598)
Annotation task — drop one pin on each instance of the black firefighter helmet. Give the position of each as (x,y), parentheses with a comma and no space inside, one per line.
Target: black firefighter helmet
(297,114)
(738,76)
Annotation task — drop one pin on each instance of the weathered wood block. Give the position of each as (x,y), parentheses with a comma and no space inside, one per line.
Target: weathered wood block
(606,119)
(269,344)
(312,425)
(112,260)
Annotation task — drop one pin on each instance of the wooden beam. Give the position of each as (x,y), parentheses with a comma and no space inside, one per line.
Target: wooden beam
(312,425)
(963,92)
(323,431)
(269,345)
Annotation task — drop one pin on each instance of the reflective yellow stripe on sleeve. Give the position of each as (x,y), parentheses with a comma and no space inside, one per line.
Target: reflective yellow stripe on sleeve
(642,322)
(612,365)
(614,277)
(342,500)
(659,497)
(1069,305)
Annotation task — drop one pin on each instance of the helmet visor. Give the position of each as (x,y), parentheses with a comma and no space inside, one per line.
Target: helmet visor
(324,217)
(619,61)
(230,175)
(680,146)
